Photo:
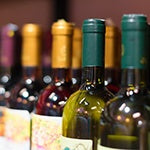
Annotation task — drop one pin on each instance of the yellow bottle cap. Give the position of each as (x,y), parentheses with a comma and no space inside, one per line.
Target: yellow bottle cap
(62,27)
(77,48)
(62,44)
(31,30)
(31,46)
(111,47)
(111,31)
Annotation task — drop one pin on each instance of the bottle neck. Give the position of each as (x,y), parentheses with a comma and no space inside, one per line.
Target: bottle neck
(92,78)
(112,76)
(134,78)
(31,72)
(61,75)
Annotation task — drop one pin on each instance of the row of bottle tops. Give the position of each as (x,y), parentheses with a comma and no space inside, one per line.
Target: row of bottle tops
(17,44)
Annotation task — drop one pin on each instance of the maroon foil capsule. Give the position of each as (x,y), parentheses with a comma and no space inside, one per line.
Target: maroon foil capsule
(9,35)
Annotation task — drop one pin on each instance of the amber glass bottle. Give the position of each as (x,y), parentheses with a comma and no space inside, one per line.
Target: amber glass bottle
(126,118)
(112,59)
(10,67)
(76,58)
(24,95)
(46,123)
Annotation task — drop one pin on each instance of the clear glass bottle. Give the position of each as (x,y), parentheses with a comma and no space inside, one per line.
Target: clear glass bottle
(46,122)
(82,112)
(125,122)
(24,94)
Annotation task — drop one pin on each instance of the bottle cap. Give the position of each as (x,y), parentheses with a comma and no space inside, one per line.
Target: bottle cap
(77,48)
(31,30)
(111,31)
(62,32)
(93,42)
(134,21)
(62,27)
(9,43)
(93,25)
(31,47)
(134,47)
(148,44)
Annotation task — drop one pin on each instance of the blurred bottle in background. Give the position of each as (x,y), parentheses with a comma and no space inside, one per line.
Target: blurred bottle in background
(10,67)
(46,123)
(112,57)
(46,58)
(76,58)
(24,95)
(126,117)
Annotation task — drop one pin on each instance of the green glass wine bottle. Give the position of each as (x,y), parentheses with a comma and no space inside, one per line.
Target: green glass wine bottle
(82,112)
(126,118)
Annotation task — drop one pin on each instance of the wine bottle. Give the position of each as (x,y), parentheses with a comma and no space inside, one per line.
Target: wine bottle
(76,58)
(82,112)
(46,122)
(112,56)
(126,118)
(9,65)
(46,59)
(24,95)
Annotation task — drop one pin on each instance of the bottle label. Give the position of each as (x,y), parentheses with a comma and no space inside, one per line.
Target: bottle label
(2,109)
(100,147)
(17,129)
(75,144)
(2,117)
(46,132)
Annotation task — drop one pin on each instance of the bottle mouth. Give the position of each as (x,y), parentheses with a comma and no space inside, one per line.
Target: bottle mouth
(62,27)
(93,25)
(134,22)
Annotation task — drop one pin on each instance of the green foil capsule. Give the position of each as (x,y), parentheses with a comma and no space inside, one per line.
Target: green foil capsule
(93,52)
(133,41)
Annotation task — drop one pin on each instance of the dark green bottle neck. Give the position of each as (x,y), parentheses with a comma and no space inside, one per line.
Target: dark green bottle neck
(134,78)
(92,78)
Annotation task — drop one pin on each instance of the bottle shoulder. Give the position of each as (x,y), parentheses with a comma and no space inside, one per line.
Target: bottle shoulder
(89,101)
(52,99)
(24,95)
(125,108)
(61,90)
(28,84)
(124,119)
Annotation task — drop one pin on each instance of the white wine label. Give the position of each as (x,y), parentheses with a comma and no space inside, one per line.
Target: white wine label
(3,144)
(17,129)
(2,118)
(100,147)
(75,144)
(46,132)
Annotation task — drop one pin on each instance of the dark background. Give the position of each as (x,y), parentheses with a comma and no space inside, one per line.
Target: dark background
(44,12)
